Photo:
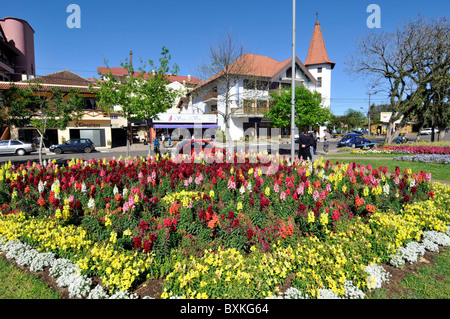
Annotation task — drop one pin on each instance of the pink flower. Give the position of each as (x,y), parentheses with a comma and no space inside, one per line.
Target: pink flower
(316,195)
(283,196)
(276,188)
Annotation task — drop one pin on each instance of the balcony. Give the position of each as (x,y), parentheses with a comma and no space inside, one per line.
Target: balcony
(247,111)
(210,97)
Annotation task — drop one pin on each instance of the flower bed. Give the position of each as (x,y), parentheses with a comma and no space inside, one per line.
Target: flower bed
(221,230)
(418,149)
(433,158)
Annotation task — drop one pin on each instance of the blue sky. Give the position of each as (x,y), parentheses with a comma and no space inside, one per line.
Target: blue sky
(110,29)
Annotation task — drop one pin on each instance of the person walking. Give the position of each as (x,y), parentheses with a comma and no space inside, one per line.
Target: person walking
(312,148)
(156,146)
(326,141)
(304,146)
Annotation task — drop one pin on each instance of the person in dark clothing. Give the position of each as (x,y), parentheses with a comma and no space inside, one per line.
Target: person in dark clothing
(156,146)
(304,144)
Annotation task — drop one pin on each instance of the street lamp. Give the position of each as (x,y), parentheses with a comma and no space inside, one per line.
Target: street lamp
(293,86)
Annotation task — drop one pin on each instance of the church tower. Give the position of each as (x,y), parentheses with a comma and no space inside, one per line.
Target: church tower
(319,64)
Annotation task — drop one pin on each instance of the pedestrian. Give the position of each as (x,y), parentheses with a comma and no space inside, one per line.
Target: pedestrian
(163,139)
(170,141)
(304,144)
(156,146)
(326,141)
(313,146)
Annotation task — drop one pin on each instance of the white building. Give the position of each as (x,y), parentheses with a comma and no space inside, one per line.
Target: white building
(257,75)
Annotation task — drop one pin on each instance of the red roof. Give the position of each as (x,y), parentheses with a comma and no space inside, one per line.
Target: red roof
(317,53)
(123,72)
(64,80)
(259,66)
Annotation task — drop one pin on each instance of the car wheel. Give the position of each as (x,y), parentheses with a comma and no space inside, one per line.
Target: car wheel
(353,145)
(21,152)
(87,149)
(58,151)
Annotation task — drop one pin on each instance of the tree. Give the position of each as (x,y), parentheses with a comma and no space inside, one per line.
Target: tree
(308,108)
(432,62)
(392,61)
(227,64)
(141,95)
(18,105)
(353,118)
(43,109)
(56,109)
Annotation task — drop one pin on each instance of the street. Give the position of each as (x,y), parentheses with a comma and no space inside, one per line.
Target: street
(283,146)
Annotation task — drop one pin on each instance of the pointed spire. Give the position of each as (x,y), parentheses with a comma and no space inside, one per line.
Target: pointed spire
(317,53)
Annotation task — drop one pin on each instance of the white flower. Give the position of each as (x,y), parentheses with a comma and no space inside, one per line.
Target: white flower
(91,203)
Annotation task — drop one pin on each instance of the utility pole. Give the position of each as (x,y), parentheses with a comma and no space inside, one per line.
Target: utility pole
(293,86)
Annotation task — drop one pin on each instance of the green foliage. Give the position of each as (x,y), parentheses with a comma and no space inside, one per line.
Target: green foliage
(308,108)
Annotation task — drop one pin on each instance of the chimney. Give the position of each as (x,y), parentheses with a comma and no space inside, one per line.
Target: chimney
(131,58)
(24,77)
(189,78)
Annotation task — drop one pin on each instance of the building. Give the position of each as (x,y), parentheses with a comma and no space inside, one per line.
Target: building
(253,78)
(95,124)
(16,50)
(180,115)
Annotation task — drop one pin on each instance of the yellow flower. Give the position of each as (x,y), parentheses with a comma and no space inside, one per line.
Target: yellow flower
(311,217)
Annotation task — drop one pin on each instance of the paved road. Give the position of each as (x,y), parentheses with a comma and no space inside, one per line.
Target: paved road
(283,147)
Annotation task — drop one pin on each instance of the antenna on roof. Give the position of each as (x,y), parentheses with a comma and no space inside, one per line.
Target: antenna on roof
(317,16)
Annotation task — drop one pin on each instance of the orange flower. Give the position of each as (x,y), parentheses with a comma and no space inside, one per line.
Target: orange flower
(370,208)
(174,208)
(359,201)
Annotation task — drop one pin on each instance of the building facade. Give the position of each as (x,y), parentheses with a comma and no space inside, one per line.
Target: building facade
(241,102)
(94,124)
(17,60)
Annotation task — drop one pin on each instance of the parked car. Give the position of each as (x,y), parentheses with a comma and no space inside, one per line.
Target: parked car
(16,147)
(428,130)
(195,145)
(354,140)
(74,145)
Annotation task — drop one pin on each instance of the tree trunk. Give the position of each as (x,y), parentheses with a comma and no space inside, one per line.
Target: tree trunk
(148,139)
(128,137)
(441,134)
(41,139)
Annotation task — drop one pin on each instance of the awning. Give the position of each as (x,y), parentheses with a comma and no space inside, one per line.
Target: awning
(198,125)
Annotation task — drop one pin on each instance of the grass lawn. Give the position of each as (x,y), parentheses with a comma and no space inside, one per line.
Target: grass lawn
(17,284)
(430,282)
(438,171)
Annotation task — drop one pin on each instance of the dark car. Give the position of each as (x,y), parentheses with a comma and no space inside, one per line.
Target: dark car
(196,146)
(354,140)
(74,145)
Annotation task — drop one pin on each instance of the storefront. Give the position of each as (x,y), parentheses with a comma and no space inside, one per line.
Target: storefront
(186,125)
(98,131)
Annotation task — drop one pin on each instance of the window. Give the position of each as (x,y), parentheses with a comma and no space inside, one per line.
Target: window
(114,117)
(90,103)
(4,143)
(319,70)
(15,143)
(319,82)
(249,85)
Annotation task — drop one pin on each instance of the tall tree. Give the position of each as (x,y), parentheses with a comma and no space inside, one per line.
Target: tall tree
(308,108)
(56,109)
(390,60)
(227,64)
(42,108)
(143,94)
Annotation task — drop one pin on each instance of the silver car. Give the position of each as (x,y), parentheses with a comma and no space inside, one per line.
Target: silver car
(16,147)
